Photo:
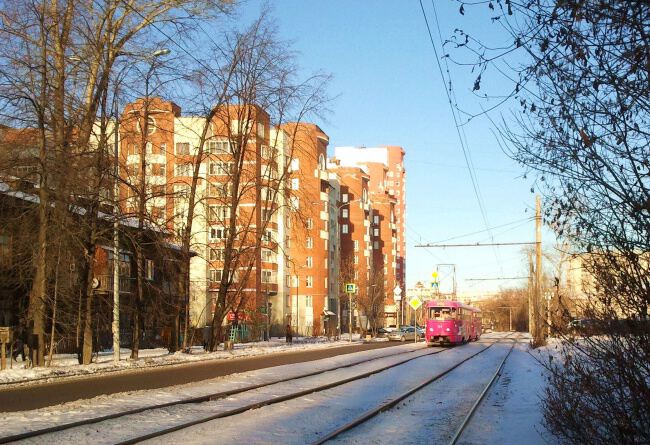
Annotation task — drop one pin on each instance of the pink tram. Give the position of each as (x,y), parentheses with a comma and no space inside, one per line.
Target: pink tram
(451,322)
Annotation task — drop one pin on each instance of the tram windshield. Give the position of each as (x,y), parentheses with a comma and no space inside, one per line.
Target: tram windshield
(442,313)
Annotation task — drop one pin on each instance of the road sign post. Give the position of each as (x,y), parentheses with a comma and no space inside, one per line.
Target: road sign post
(415,303)
(350,288)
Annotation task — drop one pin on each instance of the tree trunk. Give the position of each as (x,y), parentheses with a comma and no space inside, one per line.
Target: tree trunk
(136,327)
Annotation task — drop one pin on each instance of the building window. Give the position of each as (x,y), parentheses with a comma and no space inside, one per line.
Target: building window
(218,213)
(184,170)
(375,232)
(375,245)
(267,276)
(295,164)
(309,262)
(182,148)
(325,282)
(295,183)
(217,254)
(309,281)
(344,228)
(149,270)
(220,168)
(344,213)
(215,275)
(356,245)
(309,223)
(268,256)
(356,259)
(309,243)
(219,146)
(308,301)
(345,197)
(218,233)
(5,250)
(376,219)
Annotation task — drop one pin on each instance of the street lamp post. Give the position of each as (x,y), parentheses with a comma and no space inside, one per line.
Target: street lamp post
(115,327)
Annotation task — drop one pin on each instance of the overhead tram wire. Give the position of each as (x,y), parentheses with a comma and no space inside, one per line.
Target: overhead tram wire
(485,230)
(463,142)
(416,241)
(464,134)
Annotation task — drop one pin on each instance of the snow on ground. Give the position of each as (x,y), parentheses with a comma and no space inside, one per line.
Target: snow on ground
(510,414)
(18,422)
(67,365)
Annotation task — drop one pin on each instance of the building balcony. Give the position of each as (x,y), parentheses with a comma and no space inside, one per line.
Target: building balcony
(324,234)
(324,196)
(106,284)
(324,216)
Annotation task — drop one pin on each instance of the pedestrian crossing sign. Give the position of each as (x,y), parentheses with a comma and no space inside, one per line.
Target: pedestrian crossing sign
(350,288)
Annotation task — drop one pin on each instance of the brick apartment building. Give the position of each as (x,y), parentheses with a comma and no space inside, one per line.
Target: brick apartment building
(387,192)
(302,223)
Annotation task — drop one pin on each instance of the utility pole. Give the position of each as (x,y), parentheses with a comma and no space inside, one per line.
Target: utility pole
(537,335)
(115,327)
(531,298)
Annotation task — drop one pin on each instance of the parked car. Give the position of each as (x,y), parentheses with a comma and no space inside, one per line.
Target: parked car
(384,331)
(406,333)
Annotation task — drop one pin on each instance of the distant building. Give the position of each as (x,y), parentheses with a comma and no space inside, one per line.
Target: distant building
(384,167)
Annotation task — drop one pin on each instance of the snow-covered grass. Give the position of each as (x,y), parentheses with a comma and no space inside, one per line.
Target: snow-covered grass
(67,365)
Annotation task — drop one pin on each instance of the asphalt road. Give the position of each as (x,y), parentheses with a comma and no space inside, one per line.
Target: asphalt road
(39,395)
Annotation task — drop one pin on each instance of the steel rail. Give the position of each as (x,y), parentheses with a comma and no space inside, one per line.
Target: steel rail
(391,403)
(474,407)
(186,401)
(268,402)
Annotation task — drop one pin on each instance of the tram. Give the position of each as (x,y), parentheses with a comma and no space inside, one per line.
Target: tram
(451,322)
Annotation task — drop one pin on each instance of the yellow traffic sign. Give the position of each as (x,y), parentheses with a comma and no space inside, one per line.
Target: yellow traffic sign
(415,303)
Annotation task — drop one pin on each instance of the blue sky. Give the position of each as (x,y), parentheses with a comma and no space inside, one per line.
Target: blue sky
(389,92)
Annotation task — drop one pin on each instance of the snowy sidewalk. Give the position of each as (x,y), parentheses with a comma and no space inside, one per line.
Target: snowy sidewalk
(66,365)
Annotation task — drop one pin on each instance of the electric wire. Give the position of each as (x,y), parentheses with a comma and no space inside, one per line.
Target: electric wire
(462,140)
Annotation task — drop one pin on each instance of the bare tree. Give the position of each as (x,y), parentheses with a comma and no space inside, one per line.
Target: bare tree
(252,88)
(56,64)
(372,299)
(582,85)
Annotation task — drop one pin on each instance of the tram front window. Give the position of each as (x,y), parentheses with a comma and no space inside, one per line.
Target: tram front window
(442,313)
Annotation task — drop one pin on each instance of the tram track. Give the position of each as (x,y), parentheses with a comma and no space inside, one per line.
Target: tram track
(221,395)
(480,399)
(386,405)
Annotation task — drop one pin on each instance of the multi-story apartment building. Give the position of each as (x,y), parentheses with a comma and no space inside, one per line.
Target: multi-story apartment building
(387,192)
(354,214)
(239,197)
(310,248)
(295,224)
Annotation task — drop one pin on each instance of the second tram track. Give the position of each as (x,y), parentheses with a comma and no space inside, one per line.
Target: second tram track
(394,401)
